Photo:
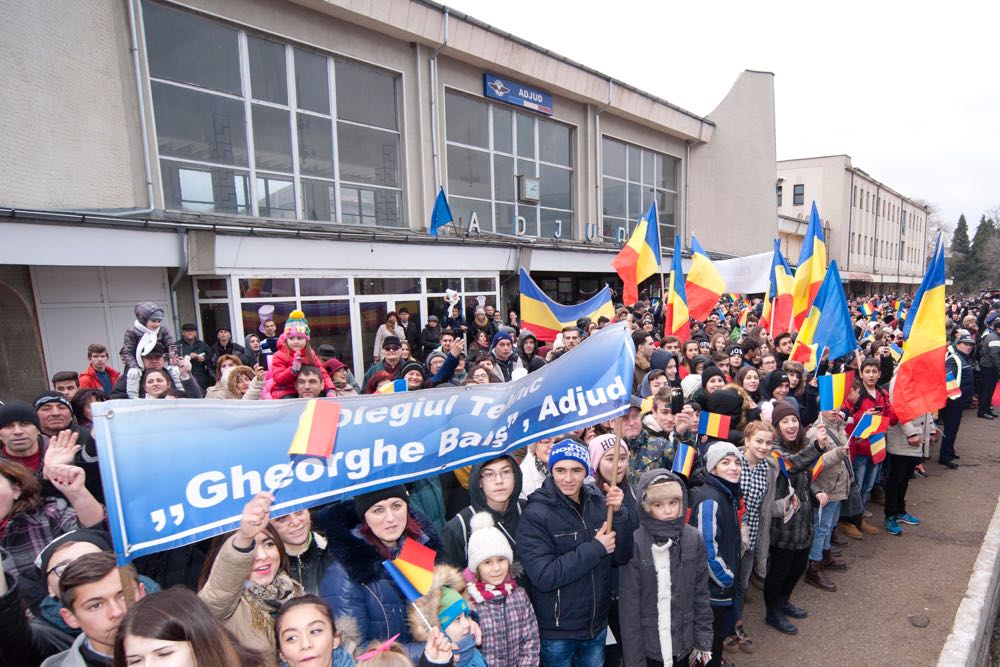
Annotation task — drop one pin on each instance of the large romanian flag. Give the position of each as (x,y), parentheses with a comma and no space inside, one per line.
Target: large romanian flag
(777,314)
(545,318)
(811,269)
(640,257)
(677,322)
(828,325)
(704,283)
(920,385)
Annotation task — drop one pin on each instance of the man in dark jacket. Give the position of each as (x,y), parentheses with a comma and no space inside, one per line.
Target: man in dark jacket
(224,345)
(989,366)
(505,359)
(568,550)
(430,338)
(184,381)
(959,364)
(527,349)
(411,331)
(199,353)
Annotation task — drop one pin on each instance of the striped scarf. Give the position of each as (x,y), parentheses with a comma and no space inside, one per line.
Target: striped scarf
(753,482)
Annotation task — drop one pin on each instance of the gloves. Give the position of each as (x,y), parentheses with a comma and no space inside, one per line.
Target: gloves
(297,363)
(132,382)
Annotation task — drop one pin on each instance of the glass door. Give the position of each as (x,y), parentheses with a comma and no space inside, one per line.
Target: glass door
(372,312)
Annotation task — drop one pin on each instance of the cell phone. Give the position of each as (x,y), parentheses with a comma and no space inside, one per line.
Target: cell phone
(676,400)
(174,352)
(877,409)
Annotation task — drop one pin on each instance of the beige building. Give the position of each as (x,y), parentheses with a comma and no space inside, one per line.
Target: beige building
(221,155)
(877,235)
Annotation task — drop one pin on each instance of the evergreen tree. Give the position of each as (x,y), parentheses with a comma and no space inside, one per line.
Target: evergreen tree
(980,253)
(960,255)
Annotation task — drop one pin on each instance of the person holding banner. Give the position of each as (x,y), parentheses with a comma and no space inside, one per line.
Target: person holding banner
(245,578)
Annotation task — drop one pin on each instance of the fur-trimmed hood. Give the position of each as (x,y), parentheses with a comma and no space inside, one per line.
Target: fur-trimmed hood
(360,560)
(428,605)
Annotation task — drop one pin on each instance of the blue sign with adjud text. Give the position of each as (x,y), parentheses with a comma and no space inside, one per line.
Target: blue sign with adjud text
(517,94)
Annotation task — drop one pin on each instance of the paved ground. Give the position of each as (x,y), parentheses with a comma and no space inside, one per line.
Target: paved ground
(924,572)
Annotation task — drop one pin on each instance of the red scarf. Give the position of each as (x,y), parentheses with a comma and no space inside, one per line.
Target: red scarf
(482,592)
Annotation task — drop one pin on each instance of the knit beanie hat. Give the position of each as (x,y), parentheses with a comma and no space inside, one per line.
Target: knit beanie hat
(412,366)
(599,446)
(662,490)
(486,541)
(569,449)
(364,502)
(659,359)
(718,451)
(296,325)
(690,384)
(451,606)
(726,402)
(146,311)
(774,380)
(47,397)
(781,410)
(434,355)
(710,372)
(18,411)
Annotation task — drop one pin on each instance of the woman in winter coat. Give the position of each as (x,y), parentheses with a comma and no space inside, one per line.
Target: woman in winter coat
(361,534)
(535,466)
(790,540)
(830,487)
(666,580)
(389,328)
(245,383)
(245,578)
(224,365)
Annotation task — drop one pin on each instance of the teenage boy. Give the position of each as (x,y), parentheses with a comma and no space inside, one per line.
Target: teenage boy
(98,375)
(66,383)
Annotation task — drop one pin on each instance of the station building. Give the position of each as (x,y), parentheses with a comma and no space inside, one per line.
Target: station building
(214,156)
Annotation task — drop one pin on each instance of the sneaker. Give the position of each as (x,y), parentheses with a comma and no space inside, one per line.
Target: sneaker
(908,519)
(919,471)
(868,514)
(892,526)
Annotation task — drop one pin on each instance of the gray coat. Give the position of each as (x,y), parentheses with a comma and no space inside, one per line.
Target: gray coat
(896,437)
(644,586)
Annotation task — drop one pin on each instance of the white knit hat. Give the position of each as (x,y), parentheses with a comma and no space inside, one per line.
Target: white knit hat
(486,541)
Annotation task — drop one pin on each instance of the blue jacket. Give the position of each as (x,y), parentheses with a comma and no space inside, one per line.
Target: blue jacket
(714,513)
(356,585)
(570,571)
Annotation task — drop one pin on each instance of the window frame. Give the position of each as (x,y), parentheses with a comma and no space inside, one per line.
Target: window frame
(798,194)
(631,220)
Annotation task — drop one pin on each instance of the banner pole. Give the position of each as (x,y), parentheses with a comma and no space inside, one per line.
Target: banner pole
(618,448)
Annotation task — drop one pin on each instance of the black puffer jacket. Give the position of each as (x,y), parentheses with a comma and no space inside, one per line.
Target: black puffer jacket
(570,571)
(309,566)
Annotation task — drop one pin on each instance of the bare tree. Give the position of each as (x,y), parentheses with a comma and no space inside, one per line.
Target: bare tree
(935,224)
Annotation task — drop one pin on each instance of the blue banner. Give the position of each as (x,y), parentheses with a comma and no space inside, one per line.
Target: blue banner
(518,94)
(180,471)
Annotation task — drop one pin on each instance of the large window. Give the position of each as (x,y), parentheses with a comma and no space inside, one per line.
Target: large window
(489,146)
(251,126)
(633,177)
(798,194)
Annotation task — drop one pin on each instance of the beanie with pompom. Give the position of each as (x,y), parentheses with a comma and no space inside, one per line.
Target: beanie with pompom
(296,325)
(486,541)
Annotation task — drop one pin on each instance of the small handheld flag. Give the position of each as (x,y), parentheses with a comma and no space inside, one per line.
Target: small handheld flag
(780,462)
(867,310)
(394,387)
(441,215)
(413,569)
(317,430)
(683,460)
(876,443)
(833,390)
(817,469)
(867,426)
(714,425)
(896,352)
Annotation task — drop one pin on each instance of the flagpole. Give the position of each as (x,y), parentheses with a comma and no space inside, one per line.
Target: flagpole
(618,447)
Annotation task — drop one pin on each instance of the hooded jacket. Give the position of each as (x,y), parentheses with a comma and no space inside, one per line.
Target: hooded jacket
(569,570)
(357,586)
(309,566)
(457,531)
(534,361)
(715,513)
(652,580)
(251,358)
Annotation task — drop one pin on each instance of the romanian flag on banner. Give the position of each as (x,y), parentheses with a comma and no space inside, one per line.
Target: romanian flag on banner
(780,462)
(394,387)
(677,321)
(876,444)
(545,318)
(828,326)
(713,425)
(833,389)
(683,460)
(777,314)
(920,384)
(640,257)
(704,283)
(952,386)
(413,569)
(811,270)
(867,426)
(817,468)
(317,431)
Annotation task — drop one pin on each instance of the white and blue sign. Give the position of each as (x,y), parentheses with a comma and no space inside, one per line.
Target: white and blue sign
(518,94)
(176,472)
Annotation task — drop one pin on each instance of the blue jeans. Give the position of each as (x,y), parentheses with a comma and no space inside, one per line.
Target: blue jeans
(823,528)
(866,472)
(574,652)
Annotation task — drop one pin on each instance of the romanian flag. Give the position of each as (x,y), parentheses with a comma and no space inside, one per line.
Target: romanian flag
(640,257)
(833,389)
(317,431)
(777,314)
(828,326)
(683,460)
(817,468)
(876,444)
(412,569)
(811,269)
(704,283)
(780,462)
(545,318)
(677,321)
(867,426)
(900,312)
(867,310)
(952,386)
(394,387)
(896,352)
(921,385)
(744,314)
(713,425)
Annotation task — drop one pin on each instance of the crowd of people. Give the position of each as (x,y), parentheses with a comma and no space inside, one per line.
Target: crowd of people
(582,549)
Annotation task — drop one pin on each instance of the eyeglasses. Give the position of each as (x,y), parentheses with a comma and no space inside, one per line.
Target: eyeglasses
(492,475)
(392,348)
(58,570)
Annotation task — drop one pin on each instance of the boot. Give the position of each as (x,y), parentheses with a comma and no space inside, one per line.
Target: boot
(838,540)
(831,562)
(835,551)
(868,528)
(851,531)
(816,577)
(792,610)
(776,619)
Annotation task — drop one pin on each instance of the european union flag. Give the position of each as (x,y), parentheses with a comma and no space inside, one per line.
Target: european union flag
(441,215)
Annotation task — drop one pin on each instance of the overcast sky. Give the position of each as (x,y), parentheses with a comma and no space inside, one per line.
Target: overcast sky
(911,91)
